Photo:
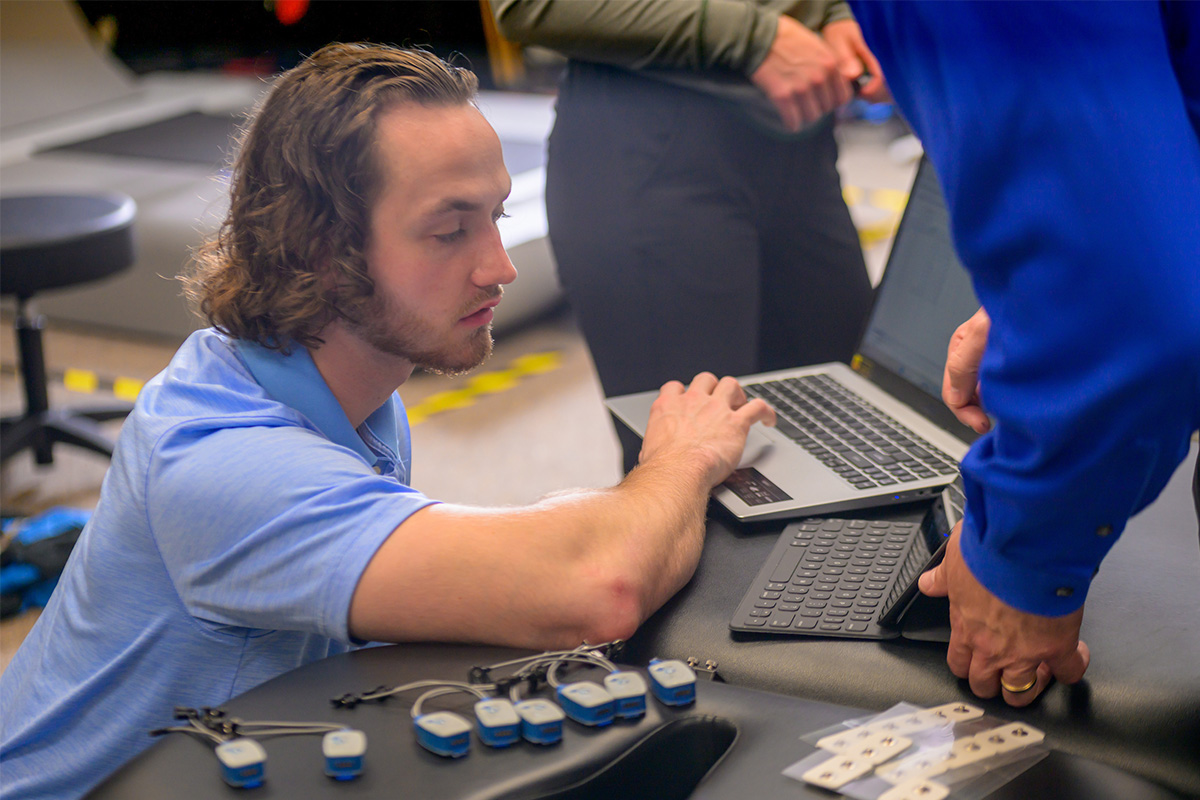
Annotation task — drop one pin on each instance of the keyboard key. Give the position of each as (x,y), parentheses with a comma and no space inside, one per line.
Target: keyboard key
(782,620)
(836,612)
(770,596)
(855,524)
(806,624)
(776,587)
(815,613)
(815,604)
(836,604)
(755,622)
(844,595)
(789,606)
(863,617)
(786,566)
(787,428)
(765,604)
(819,596)
(856,627)
(760,612)
(833,525)
(830,626)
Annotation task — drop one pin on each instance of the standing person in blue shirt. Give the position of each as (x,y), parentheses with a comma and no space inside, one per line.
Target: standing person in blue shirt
(257,514)
(1066,139)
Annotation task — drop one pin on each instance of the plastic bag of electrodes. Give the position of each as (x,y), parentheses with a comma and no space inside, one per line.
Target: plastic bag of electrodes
(972,782)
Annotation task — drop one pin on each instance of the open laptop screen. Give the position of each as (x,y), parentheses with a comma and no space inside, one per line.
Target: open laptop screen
(925,294)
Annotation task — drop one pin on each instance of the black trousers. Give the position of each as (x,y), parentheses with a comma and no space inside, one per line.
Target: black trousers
(688,240)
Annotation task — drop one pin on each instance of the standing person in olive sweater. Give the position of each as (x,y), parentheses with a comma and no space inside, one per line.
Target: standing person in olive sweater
(695,210)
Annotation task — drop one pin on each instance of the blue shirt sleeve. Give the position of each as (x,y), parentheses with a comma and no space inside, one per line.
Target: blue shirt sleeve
(269,526)
(1064,138)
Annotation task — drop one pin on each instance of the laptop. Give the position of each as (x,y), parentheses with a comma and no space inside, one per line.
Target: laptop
(874,432)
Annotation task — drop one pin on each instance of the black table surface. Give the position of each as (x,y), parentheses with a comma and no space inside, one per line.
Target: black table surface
(1138,707)
(1131,728)
(732,744)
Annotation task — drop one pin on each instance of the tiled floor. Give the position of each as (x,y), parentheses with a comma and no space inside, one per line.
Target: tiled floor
(528,423)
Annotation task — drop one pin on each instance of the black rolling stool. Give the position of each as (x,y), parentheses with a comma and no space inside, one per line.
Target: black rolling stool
(50,242)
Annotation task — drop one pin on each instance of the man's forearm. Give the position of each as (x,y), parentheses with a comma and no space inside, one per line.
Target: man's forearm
(579,565)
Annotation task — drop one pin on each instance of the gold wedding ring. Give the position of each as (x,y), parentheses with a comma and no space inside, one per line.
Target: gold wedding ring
(1019,689)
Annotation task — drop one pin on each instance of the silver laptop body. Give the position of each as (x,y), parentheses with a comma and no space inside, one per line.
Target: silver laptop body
(924,296)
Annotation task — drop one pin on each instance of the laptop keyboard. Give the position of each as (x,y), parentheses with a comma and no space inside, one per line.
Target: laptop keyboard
(852,437)
(833,577)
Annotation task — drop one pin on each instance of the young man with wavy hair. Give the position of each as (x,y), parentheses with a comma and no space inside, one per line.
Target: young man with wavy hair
(257,514)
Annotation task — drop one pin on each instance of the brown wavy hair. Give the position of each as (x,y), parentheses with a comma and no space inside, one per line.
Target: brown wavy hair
(289,256)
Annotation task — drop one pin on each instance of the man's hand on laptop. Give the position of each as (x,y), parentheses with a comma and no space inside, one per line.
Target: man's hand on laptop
(960,381)
(996,647)
(704,424)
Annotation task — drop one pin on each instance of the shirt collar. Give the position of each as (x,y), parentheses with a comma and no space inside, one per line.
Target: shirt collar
(294,380)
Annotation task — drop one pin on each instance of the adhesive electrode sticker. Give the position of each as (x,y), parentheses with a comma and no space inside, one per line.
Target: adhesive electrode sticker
(910,753)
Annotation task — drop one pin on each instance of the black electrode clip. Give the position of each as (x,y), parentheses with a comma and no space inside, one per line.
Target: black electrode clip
(479,675)
(348,700)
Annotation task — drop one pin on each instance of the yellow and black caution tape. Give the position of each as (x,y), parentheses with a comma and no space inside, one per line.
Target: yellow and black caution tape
(85,381)
(484,384)
(88,382)
(890,200)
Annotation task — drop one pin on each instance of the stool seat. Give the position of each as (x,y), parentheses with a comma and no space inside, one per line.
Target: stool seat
(52,241)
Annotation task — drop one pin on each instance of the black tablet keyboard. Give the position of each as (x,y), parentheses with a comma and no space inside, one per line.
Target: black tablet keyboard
(833,577)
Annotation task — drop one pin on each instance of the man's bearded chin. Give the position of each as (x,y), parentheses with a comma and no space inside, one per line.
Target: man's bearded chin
(391,330)
(479,351)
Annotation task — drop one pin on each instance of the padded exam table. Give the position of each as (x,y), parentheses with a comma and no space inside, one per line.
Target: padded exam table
(1138,707)
(730,745)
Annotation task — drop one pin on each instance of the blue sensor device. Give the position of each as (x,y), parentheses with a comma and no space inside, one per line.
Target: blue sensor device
(344,751)
(628,690)
(541,721)
(443,733)
(499,724)
(587,703)
(243,763)
(672,682)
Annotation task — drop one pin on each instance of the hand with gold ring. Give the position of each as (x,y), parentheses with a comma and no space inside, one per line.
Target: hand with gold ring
(990,639)
(1020,688)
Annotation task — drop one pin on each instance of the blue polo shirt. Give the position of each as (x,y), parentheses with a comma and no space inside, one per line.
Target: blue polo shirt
(238,515)
(1067,140)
